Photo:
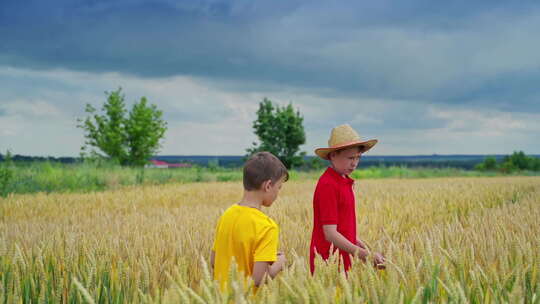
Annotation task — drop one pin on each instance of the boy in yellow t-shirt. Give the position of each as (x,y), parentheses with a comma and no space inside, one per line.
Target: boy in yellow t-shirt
(244,232)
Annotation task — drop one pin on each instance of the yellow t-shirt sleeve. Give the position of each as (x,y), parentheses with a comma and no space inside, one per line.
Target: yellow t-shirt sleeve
(267,245)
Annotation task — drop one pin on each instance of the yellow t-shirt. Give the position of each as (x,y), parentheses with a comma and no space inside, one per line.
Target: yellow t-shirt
(248,235)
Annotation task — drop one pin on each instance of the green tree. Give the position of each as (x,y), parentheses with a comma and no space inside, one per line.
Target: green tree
(107,131)
(489,163)
(507,167)
(316,163)
(127,140)
(519,160)
(280,131)
(144,130)
(535,163)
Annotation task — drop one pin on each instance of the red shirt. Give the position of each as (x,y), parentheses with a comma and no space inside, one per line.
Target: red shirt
(333,204)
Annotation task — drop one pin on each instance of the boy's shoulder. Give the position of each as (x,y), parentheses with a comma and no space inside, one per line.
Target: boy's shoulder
(327,179)
(331,178)
(263,220)
(249,215)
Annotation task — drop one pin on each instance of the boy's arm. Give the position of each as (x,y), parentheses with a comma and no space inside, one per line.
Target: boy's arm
(260,269)
(361,244)
(333,236)
(259,272)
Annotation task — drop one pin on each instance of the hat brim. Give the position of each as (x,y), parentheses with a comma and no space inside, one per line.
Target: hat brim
(323,152)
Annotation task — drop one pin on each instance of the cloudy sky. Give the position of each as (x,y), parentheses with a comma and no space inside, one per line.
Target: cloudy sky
(424,77)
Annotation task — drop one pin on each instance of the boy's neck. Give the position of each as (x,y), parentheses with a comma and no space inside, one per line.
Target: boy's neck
(251,199)
(332,166)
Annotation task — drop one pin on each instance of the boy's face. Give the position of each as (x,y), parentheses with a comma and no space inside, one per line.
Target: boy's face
(271,191)
(345,161)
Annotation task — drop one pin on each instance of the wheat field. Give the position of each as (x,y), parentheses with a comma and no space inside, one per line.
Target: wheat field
(457,240)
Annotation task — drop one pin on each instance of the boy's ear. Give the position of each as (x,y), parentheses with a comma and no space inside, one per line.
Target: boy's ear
(331,155)
(266,185)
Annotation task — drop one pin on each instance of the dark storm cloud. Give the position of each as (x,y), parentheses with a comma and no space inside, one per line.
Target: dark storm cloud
(455,52)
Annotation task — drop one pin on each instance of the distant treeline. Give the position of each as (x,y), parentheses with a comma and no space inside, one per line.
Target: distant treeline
(310,162)
(517,161)
(24,158)
(468,162)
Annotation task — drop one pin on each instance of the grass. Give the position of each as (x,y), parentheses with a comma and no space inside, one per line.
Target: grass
(51,177)
(86,177)
(457,240)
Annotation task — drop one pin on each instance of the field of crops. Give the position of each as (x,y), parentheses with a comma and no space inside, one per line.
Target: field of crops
(462,240)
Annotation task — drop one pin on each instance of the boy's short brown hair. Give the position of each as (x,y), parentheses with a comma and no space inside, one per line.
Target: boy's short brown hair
(260,167)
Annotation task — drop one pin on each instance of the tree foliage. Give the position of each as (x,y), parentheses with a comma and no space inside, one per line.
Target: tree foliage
(517,161)
(280,131)
(130,138)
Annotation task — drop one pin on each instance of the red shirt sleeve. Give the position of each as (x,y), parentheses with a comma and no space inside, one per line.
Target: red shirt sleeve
(326,199)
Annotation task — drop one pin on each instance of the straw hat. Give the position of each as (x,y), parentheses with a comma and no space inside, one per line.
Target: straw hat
(342,137)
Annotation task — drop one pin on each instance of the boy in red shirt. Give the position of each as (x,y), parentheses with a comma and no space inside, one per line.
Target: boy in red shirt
(334,215)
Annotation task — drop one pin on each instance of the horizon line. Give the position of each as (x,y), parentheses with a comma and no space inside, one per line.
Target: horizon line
(242,155)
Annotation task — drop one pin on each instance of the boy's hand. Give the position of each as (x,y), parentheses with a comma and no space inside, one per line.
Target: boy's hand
(281,258)
(379,260)
(275,267)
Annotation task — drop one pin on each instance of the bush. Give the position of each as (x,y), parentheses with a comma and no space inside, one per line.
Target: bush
(507,167)
(519,161)
(489,164)
(6,175)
